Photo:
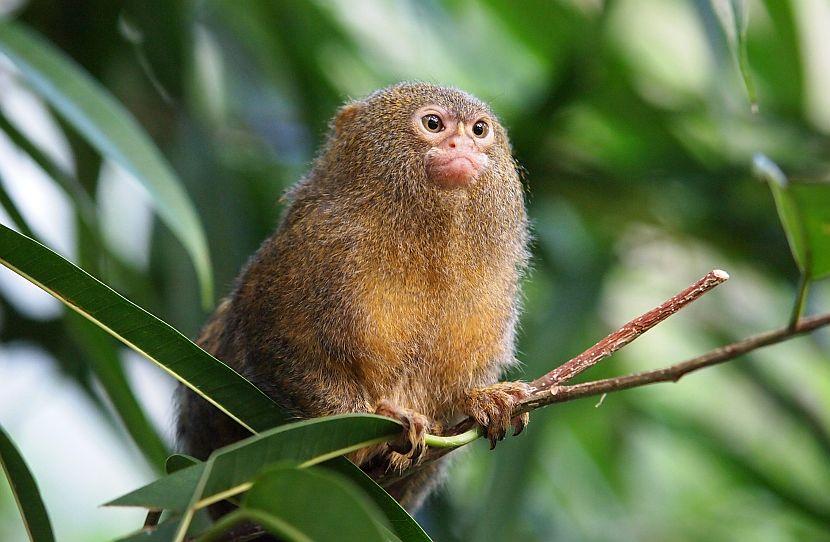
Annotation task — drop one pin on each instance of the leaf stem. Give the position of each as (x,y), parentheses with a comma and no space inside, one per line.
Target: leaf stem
(800,300)
(453,441)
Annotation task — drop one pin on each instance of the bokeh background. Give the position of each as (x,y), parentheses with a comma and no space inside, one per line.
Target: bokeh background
(636,132)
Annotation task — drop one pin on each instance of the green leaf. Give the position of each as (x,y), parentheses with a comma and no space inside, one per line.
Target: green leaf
(404,527)
(740,19)
(782,67)
(727,38)
(171,492)
(25,490)
(804,210)
(402,523)
(177,462)
(310,505)
(232,468)
(113,131)
(140,330)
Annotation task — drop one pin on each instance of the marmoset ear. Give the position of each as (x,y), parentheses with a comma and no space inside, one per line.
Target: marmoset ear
(345,116)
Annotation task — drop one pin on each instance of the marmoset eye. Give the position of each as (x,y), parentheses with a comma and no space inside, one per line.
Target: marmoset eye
(432,123)
(480,129)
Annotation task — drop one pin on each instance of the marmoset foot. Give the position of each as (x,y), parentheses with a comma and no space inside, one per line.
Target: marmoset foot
(411,444)
(492,407)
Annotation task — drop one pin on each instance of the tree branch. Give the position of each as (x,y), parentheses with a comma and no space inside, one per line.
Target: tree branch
(630,331)
(561,394)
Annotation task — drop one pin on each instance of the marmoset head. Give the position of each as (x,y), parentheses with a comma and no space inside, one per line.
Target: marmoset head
(458,144)
(423,134)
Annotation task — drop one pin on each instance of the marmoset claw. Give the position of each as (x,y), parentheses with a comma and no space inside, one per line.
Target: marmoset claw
(411,443)
(492,407)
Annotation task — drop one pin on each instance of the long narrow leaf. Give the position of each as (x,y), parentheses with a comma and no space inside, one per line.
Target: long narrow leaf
(25,490)
(341,512)
(740,19)
(140,330)
(177,462)
(804,210)
(111,129)
(402,524)
(304,443)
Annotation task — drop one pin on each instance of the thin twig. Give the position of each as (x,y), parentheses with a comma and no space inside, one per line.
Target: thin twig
(561,394)
(630,331)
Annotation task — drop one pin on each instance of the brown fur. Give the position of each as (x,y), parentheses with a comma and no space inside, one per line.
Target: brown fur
(377,286)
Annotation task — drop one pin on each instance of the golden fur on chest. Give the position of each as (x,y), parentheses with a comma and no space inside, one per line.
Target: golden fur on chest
(433,334)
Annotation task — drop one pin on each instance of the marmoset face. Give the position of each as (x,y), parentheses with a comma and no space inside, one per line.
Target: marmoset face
(458,144)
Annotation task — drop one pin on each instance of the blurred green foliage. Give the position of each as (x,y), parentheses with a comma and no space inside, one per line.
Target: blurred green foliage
(633,123)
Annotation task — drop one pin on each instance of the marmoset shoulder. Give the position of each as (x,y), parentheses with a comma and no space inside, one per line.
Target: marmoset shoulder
(391,284)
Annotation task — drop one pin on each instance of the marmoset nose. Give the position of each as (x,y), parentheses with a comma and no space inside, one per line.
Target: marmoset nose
(459,142)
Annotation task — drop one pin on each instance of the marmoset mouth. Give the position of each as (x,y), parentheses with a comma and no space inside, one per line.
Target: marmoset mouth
(455,169)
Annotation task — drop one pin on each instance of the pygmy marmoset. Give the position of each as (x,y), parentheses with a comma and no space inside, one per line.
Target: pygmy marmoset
(391,284)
